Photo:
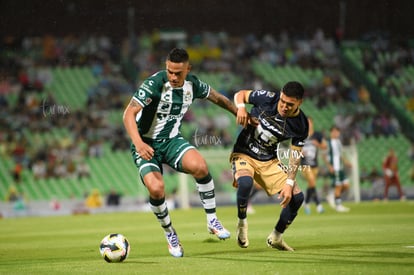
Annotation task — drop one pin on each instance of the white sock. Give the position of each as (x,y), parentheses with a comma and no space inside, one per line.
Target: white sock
(163,217)
(207,196)
(211,216)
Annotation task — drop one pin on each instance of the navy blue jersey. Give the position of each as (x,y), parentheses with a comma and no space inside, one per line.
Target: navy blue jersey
(310,150)
(261,142)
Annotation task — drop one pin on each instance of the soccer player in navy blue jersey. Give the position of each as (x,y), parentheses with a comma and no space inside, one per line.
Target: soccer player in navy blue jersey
(274,117)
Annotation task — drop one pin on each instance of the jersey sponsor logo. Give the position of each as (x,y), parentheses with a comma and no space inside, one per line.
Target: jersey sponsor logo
(166,97)
(165,107)
(145,88)
(270,126)
(265,136)
(169,117)
(141,94)
(172,117)
(254,149)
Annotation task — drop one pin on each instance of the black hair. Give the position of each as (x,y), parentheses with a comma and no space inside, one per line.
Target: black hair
(178,55)
(293,89)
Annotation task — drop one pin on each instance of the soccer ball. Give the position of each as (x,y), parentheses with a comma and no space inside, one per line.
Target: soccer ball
(114,248)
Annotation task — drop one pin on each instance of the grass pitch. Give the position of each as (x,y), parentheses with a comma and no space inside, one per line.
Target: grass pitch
(374,238)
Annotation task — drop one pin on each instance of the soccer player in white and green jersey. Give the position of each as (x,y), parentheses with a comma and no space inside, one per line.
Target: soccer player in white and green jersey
(153,120)
(336,162)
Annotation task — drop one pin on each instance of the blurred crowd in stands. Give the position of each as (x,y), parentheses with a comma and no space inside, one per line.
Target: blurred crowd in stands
(25,73)
(388,60)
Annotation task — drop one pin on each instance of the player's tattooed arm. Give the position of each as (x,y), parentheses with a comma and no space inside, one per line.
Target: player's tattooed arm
(130,113)
(288,189)
(133,103)
(222,101)
(129,116)
(294,163)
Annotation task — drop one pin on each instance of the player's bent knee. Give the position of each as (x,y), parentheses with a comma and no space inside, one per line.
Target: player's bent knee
(245,182)
(245,185)
(198,170)
(156,190)
(155,186)
(194,164)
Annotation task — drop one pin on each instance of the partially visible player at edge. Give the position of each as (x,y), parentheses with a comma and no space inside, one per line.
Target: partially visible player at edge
(153,120)
(276,117)
(310,167)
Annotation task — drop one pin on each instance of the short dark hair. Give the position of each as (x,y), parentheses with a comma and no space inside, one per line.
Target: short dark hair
(178,55)
(293,89)
(334,127)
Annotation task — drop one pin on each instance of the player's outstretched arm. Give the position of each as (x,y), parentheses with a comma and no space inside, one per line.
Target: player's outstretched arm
(222,101)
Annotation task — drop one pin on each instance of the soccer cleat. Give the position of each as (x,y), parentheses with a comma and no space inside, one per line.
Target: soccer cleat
(274,242)
(320,209)
(242,239)
(341,208)
(214,227)
(174,245)
(330,198)
(307,209)
(250,209)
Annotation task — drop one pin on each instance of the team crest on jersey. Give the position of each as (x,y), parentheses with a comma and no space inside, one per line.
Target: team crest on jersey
(187,96)
(148,101)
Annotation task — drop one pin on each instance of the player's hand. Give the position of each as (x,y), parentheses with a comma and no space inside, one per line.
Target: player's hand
(285,195)
(253,121)
(242,117)
(144,150)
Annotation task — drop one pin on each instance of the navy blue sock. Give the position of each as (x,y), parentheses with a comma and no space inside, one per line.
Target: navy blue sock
(315,196)
(245,184)
(289,213)
(309,193)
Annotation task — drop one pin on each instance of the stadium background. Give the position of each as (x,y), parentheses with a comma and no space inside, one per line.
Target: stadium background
(69,67)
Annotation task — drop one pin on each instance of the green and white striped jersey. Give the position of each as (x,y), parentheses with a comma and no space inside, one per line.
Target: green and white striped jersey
(163,106)
(335,154)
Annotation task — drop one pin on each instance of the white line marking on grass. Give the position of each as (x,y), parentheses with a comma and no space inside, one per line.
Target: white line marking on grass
(409,246)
